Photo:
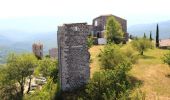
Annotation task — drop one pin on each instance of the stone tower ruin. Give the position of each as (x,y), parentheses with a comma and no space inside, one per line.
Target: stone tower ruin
(73,55)
(37,49)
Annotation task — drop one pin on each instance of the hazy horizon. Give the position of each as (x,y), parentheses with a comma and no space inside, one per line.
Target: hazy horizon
(35,16)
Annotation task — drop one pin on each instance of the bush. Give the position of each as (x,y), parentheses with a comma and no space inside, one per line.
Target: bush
(112,56)
(90,41)
(166,58)
(108,84)
(129,52)
(108,56)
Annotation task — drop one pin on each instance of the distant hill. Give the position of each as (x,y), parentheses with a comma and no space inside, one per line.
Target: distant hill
(138,30)
(18,39)
(18,34)
(24,44)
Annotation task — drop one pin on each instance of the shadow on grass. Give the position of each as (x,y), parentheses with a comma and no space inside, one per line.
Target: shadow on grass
(71,95)
(146,57)
(135,82)
(168,75)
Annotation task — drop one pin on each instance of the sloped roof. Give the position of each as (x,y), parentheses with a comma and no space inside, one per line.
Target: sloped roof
(164,42)
(107,15)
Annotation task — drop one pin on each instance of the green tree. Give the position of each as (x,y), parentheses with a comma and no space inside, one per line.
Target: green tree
(150,36)
(114,31)
(142,45)
(157,36)
(144,36)
(17,70)
(48,68)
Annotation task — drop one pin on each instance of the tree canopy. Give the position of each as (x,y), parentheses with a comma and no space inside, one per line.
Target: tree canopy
(114,31)
(142,44)
(47,68)
(17,69)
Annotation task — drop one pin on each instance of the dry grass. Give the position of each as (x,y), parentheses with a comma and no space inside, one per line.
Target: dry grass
(155,75)
(95,66)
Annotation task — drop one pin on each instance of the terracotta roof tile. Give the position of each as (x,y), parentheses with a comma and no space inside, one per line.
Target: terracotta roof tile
(165,42)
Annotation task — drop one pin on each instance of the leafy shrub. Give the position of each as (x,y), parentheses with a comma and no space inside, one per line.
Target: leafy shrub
(90,41)
(166,58)
(129,52)
(108,84)
(110,56)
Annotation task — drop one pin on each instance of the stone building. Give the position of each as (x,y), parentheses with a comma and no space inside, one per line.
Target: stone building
(37,49)
(53,53)
(73,55)
(99,26)
(90,27)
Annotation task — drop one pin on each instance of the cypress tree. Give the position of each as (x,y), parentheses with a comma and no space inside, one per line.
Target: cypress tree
(157,36)
(144,36)
(150,36)
(131,37)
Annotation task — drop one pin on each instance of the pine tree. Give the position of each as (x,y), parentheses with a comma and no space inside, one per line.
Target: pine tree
(157,36)
(150,36)
(144,36)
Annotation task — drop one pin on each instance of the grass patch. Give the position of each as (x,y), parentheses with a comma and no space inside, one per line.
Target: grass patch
(95,65)
(152,71)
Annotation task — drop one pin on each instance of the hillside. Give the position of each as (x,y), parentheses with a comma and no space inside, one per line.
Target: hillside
(138,30)
(149,71)
(14,41)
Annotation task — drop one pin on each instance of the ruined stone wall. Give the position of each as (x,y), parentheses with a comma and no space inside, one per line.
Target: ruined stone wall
(37,49)
(53,52)
(73,55)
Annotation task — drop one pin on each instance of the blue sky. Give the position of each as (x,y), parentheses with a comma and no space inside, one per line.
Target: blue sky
(67,11)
